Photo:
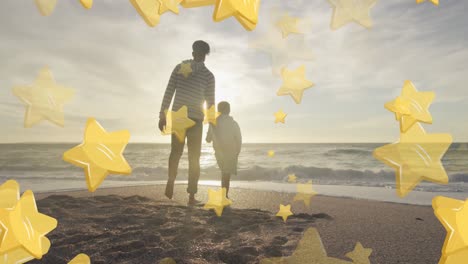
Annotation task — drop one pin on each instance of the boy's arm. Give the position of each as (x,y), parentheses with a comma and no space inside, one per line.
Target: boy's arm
(209,135)
(238,137)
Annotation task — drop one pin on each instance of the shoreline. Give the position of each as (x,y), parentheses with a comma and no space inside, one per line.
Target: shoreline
(371,193)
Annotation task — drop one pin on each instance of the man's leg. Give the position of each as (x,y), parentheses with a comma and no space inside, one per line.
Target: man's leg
(194,141)
(177,148)
(225,180)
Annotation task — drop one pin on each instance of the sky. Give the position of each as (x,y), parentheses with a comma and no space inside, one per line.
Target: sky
(119,68)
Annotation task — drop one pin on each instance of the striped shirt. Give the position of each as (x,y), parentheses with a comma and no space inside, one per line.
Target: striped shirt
(191,91)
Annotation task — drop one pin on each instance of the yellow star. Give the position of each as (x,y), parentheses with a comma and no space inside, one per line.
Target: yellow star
(435,2)
(411,106)
(217,201)
(400,107)
(458,257)
(271,153)
(197,3)
(453,214)
(245,11)
(310,250)
(80,259)
(346,11)
(360,254)
(25,226)
(185,69)
(282,51)
(304,193)
(20,255)
(416,157)
(44,99)
(288,25)
(46,7)
(86,3)
(9,194)
(294,83)
(2,232)
(292,178)
(211,115)
(280,116)
(284,212)
(166,5)
(100,154)
(148,10)
(247,24)
(177,123)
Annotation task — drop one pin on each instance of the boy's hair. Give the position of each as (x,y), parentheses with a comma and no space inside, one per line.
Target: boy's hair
(224,107)
(201,47)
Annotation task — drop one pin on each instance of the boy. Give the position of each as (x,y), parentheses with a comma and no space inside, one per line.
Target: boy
(227,140)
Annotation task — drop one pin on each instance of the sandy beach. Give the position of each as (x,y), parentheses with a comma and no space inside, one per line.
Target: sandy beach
(138,225)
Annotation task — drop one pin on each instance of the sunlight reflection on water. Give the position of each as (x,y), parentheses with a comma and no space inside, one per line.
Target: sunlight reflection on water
(207,159)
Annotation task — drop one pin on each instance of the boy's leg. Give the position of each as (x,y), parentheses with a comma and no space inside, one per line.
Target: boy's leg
(177,148)
(194,141)
(225,180)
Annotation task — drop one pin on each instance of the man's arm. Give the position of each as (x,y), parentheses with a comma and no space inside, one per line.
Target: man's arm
(167,99)
(169,93)
(210,92)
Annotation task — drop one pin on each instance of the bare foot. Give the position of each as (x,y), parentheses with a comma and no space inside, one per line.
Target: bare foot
(193,201)
(169,189)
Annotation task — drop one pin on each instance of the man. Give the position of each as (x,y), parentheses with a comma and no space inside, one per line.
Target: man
(191,90)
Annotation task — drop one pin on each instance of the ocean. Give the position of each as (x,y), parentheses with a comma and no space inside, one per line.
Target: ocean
(40,166)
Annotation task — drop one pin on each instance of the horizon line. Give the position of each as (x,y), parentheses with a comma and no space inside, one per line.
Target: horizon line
(167,143)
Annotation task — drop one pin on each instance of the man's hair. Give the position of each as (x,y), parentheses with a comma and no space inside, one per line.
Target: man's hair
(201,47)
(224,107)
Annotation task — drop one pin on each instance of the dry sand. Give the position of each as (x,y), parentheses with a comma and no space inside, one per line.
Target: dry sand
(138,225)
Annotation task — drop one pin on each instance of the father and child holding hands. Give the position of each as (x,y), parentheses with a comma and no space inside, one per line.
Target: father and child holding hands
(193,91)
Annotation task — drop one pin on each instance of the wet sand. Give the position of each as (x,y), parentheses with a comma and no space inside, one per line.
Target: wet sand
(140,225)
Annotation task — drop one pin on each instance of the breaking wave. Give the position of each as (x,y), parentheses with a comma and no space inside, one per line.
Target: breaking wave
(255,173)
